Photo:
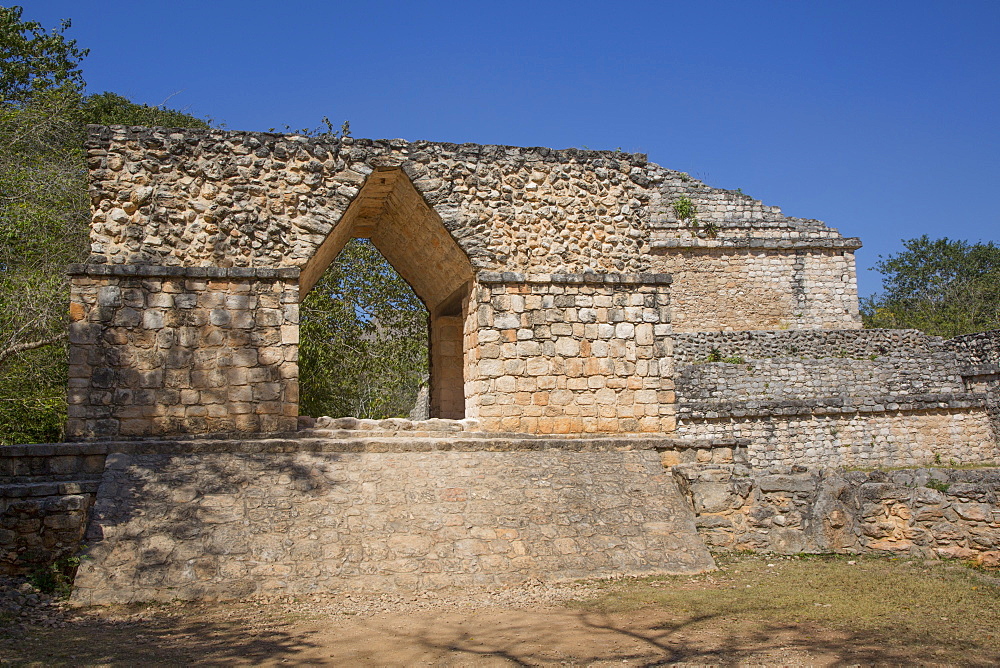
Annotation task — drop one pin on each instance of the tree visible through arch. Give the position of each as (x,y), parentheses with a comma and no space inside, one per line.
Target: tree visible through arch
(363,339)
(388,228)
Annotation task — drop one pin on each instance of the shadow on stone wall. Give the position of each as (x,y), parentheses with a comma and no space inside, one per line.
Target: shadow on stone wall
(934,512)
(153,511)
(213,525)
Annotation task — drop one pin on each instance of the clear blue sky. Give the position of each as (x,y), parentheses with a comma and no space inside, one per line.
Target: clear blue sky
(879,118)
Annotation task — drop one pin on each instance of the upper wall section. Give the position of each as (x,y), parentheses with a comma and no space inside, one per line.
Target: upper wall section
(214,198)
(980,352)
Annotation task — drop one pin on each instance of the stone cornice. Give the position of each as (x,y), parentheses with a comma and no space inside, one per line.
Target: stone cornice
(149,271)
(587,278)
(742,243)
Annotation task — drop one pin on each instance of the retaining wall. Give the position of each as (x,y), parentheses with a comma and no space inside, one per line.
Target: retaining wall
(46,492)
(336,510)
(231,519)
(833,398)
(929,512)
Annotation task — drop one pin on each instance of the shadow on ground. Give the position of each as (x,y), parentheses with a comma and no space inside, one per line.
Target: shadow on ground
(261,635)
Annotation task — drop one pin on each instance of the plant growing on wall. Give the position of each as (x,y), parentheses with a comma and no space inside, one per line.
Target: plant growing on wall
(686,213)
(684,210)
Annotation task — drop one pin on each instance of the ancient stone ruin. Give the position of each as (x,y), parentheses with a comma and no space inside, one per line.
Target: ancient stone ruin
(554,279)
(624,363)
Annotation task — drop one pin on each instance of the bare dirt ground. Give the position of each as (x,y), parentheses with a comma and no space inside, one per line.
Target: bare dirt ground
(755,610)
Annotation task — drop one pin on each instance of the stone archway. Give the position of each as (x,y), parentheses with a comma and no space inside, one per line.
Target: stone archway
(545,273)
(390,212)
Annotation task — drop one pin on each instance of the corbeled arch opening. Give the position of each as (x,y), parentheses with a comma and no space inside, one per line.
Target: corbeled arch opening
(391,213)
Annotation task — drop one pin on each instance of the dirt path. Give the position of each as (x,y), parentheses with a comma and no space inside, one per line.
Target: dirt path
(752,612)
(495,637)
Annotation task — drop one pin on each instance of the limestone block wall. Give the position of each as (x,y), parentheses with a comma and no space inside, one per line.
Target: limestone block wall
(579,353)
(738,264)
(214,198)
(979,357)
(205,198)
(233,519)
(173,350)
(692,348)
(977,350)
(832,398)
(727,288)
(794,378)
(915,433)
(931,512)
(447,363)
(201,227)
(46,493)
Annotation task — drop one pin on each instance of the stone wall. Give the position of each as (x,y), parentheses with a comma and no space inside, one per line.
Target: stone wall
(832,398)
(520,209)
(160,350)
(693,348)
(978,350)
(46,492)
(979,356)
(387,506)
(919,512)
(794,378)
(222,519)
(732,288)
(914,434)
(477,231)
(570,353)
(215,198)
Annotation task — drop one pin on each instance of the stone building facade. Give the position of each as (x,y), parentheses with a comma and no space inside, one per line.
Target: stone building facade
(554,279)
(632,366)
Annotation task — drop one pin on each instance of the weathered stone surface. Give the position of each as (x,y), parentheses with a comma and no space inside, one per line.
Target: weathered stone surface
(569,292)
(509,208)
(231,524)
(835,397)
(186,362)
(920,512)
(570,354)
(545,273)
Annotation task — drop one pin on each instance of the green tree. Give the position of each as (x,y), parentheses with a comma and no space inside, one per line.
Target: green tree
(35,61)
(43,227)
(363,334)
(44,213)
(939,286)
(112,109)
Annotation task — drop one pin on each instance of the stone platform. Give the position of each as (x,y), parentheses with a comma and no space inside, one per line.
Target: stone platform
(221,519)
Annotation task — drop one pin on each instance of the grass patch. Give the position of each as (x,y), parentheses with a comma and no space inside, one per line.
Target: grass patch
(941,604)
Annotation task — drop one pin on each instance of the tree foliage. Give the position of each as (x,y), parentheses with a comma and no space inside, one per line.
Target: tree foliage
(112,109)
(939,286)
(44,213)
(35,61)
(364,341)
(363,334)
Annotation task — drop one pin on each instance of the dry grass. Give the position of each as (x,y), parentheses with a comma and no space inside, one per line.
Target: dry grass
(946,607)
